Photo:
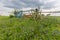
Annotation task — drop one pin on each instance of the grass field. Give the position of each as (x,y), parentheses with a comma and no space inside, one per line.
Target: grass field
(29,29)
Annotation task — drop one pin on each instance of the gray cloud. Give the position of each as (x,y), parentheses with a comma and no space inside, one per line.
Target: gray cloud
(28,3)
(49,5)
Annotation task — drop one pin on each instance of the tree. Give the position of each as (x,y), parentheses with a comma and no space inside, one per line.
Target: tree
(15,12)
(11,16)
(48,14)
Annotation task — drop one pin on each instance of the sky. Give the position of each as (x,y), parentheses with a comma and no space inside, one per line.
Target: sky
(7,6)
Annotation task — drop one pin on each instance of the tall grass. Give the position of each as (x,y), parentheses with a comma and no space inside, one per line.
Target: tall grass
(29,29)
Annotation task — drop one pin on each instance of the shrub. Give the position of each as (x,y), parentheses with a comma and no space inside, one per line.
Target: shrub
(11,16)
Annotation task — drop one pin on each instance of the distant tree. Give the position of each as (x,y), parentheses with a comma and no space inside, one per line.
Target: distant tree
(43,15)
(48,14)
(11,16)
(15,12)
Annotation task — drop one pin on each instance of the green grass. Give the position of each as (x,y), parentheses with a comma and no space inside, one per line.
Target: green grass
(29,29)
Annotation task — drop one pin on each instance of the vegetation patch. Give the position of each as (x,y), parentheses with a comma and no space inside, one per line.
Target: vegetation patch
(29,29)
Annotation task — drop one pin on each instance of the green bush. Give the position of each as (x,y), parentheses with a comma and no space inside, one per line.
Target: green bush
(11,16)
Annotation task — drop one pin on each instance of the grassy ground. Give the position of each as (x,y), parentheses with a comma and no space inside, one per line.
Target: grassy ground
(29,29)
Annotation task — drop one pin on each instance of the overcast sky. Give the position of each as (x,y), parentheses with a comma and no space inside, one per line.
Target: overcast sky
(8,5)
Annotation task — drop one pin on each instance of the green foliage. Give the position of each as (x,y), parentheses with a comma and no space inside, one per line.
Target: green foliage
(29,29)
(11,16)
(15,12)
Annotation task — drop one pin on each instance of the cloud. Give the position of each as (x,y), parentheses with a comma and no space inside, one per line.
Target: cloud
(14,4)
(6,5)
(4,11)
(46,4)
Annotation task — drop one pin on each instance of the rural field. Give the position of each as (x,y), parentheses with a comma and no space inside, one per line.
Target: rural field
(29,29)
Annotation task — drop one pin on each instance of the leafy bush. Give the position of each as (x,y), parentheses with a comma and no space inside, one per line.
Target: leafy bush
(11,16)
